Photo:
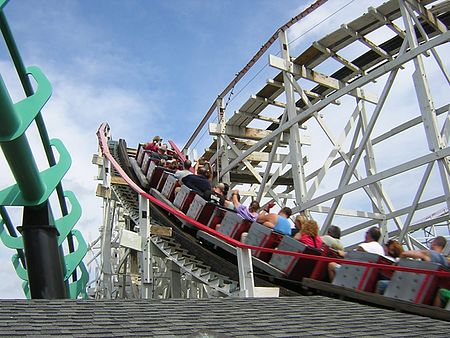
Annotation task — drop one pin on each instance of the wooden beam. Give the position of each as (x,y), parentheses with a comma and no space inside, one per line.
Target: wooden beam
(118,180)
(159,230)
(102,191)
(321,79)
(251,133)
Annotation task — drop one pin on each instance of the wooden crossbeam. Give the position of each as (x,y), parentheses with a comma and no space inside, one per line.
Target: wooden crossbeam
(380,17)
(322,79)
(428,16)
(337,57)
(251,133)
(366,42)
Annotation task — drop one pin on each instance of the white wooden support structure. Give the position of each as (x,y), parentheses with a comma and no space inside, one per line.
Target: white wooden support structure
(146,255)
(104,285)
(356,158)
(246,280)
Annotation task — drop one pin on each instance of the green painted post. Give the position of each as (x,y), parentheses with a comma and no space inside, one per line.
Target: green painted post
(44,266)
(18,152)
(28,88)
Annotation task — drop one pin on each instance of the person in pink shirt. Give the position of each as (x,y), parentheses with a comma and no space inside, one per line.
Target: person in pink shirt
(309,234)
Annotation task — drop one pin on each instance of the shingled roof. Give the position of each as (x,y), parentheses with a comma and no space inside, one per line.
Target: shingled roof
(226,317)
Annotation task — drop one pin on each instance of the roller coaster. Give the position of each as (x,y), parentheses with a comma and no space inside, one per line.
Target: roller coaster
(366,160)
(261,149)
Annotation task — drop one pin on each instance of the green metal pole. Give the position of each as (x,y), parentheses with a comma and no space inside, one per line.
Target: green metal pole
(28,88)
(18,152)
(43,259)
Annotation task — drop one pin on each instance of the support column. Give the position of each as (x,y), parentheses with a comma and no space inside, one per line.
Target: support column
(108,210)
(425,100)
(175,280)
(246,281)
(295,147)
(222,159)
(146,258)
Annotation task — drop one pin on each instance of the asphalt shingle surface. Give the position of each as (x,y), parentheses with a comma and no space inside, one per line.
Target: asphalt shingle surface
(227,317)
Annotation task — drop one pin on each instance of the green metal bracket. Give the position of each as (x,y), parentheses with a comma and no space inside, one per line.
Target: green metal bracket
(66,223)
(33,188)
(79,286)
(75,289)
(51,177)
(63,224)
(74,258)
(28,108)
(10,241)
(20,270)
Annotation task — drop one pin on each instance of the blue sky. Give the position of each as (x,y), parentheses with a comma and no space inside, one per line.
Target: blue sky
(145,67)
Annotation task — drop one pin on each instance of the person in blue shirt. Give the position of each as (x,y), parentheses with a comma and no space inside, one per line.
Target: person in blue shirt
(278,222)
(434,255)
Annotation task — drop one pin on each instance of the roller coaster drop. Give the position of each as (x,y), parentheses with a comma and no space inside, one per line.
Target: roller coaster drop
(266,133)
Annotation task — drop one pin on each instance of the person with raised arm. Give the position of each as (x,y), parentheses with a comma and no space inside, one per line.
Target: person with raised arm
(278,222)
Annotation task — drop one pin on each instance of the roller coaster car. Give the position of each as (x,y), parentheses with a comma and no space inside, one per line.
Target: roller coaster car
(262,236)
(414,287)
(217,216)
(171,184)
(234,225)
(320,271)
(201,210)
(294,267)
(183,198)
(165,173)
(140,154)
(154,175)
(360,277)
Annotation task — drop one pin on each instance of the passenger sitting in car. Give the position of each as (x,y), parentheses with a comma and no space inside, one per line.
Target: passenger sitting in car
(154,145)
(162,152)
(172,164)
(179,174)
(332,238)
(370,245)
(299,220)
(199,183)
(434,255)
(393,250)
(278,222)
(217,194)
(250,213)
(309,234)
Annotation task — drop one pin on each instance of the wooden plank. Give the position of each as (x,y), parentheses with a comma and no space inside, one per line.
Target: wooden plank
(376,299)
(159,230)
(96,159)
(102,191)
(118,180)
(252,133)
(321,79)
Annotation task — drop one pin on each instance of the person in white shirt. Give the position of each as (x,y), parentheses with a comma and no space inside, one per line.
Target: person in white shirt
(371,243)
(179,174)
(332,238)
